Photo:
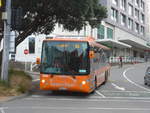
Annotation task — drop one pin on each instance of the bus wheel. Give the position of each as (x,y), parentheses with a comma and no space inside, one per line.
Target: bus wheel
(106,77)
(95,83)
(95,86)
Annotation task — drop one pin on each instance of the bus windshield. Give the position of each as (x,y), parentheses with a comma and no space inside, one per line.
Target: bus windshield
(62,57)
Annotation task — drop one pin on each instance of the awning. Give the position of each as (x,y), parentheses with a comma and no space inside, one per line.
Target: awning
(138,44)
(113,43)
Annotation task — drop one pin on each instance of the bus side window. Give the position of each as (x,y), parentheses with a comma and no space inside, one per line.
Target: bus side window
(107,55)
(103,58)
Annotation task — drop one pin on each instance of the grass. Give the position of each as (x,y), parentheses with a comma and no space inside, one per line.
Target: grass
(19,82)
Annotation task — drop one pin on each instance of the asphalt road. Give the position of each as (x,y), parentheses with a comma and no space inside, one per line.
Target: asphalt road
(124,92)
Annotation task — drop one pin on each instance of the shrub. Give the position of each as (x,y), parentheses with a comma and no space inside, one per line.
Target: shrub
(19,80)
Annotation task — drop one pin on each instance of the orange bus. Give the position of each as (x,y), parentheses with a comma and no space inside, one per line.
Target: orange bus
(78,65)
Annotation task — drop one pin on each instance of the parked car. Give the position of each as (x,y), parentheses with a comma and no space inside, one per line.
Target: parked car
(147,77)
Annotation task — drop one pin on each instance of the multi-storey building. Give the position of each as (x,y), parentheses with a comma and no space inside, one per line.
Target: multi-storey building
(148,19)
(125,28)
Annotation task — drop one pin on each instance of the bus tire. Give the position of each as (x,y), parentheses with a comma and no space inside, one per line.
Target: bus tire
(106,76)
(95,85)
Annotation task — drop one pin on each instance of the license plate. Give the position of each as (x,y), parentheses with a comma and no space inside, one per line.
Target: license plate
(62,88)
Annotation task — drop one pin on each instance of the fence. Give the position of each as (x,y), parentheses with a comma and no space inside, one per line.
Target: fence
(126,60)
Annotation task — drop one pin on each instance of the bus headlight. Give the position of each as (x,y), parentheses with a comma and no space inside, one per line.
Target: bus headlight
(83,82)
(43,81)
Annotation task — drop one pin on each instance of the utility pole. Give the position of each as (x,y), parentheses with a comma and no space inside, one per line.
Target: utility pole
(7,24)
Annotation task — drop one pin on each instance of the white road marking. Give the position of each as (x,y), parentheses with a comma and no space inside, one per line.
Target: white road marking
(100,94)
(79,108)
(124,75)
(35,80)
(110,91)
(117,87)
(2,110)
(98,99)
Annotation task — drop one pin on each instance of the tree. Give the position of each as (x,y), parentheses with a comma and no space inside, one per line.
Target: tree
(40,16)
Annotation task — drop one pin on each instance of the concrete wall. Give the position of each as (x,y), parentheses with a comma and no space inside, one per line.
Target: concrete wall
(20,56)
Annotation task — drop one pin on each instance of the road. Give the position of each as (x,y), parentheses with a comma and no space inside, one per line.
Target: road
(124,92)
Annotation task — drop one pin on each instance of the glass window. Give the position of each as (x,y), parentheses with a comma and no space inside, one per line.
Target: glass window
(142,18)
(31,45)
(123,4)
(115,2)
(137,2)
(123,19)
(142,30)
(142,5)
(68,58)
(136,14)
(109,33)
(114,14)
(101,32)
(130,10)
(130,23)
(137,27)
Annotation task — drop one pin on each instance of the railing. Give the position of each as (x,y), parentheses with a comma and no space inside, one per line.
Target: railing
(126,60)
(33,65)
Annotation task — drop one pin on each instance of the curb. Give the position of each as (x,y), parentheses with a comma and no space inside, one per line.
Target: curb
(11,98)
(15,97)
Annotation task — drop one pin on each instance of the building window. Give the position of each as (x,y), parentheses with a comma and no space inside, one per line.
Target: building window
(31,45)
(142,5)
(142,30)
(109,33)
(131,1)
(115,2)
(101,32)
(136,14)
(142,18)
(130,23)
(123,4)
(137,2)
(136,27)
(114,14)
(123,19)
(130,10)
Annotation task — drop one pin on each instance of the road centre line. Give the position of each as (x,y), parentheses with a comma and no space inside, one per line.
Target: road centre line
(103,96)
(124,75)
(79,108)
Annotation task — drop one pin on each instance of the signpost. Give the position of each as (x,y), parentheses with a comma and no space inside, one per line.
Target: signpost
(26,51)
(6,42)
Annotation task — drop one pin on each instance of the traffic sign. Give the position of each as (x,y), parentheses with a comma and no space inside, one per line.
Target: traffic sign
(26,51)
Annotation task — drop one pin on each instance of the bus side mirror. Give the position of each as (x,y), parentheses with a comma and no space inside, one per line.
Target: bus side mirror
(38,60)
(91,54)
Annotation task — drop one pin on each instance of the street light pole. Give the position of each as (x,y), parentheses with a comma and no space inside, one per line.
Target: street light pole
(6,43)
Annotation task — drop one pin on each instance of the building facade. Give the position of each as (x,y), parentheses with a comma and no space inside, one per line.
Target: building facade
(125,29)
